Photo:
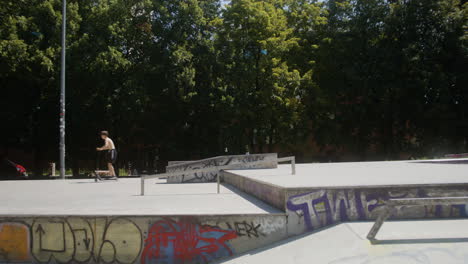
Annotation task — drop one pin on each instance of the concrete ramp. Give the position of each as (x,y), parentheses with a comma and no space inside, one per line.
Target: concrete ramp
(403,242)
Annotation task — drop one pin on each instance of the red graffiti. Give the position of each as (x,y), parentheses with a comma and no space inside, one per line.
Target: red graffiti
(179,242)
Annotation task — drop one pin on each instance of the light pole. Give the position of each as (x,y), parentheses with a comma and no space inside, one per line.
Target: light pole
(62,91)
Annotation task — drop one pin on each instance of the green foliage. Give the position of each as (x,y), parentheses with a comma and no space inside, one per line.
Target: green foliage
(189,78)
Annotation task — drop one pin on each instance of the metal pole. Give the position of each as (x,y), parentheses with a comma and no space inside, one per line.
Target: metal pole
(218,181)
(52,169)
(293,165)
(142,192)
(62,92)
(378,223)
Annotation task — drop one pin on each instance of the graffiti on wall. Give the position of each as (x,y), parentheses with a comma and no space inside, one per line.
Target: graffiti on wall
(74,239)
(182,241)
(324,207)
(245,161)
(218,161)
(128,240)
(244,228)
(14,242)
(199,177)
(77,239)
(247,229)
(209,176)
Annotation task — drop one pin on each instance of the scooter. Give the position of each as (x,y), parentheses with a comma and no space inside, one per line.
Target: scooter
(102,175)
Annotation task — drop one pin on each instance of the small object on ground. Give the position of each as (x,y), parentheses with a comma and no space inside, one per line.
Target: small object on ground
(10,169)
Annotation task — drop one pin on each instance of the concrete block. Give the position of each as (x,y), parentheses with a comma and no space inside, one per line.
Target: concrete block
(254,161)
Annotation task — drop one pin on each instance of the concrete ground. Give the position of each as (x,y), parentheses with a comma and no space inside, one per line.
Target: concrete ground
(85,197)
(354,174)
(404,242)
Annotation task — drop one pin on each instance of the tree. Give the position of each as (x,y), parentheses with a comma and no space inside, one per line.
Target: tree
(265,91)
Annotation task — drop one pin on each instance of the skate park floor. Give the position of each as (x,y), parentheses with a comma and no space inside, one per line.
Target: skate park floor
(86,197)
(122,197)
(362,174)
(409,242)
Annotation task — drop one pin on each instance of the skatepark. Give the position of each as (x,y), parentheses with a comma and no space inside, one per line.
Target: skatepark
(233,131)
(244,209)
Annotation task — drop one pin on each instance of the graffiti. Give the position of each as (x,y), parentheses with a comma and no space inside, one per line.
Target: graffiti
(202,164)
(324,207)
(239,161)
(242,228)
(216,162)
(170,241)
(128,240)
(248,229)
(76,239)
(14,243)
(134,240)
(199,177)
(122,242)
(321,208)
(251,158)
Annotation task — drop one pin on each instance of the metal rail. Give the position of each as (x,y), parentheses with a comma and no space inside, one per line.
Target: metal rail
(393,203)
(291,159)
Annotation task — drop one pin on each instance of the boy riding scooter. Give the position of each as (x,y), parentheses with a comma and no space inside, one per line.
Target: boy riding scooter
(111,153)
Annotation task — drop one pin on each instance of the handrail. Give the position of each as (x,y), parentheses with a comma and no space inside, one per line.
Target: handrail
(392,203)
(292,159)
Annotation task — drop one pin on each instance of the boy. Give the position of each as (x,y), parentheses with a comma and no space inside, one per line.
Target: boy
(111,155)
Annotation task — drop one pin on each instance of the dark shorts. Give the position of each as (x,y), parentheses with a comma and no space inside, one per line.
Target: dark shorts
(111,156)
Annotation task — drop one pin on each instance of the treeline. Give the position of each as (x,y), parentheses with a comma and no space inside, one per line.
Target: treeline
(187,79)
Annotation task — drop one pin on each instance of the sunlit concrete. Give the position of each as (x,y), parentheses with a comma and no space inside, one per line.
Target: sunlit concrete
(403,242)
(86,197)
(357,174)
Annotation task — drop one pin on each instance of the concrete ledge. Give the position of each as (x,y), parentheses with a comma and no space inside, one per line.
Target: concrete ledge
(311,208)
(316,208)
(272,194)
(254,161)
